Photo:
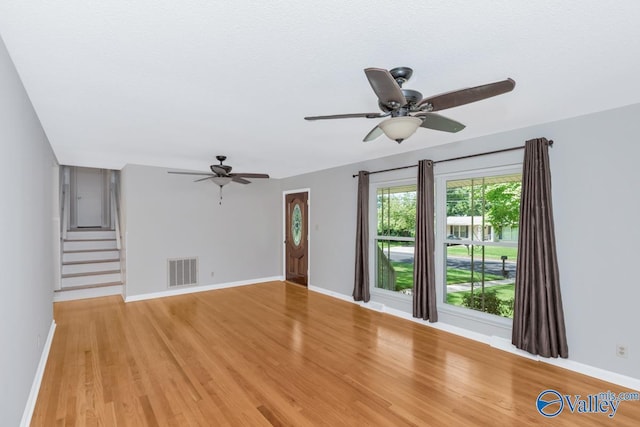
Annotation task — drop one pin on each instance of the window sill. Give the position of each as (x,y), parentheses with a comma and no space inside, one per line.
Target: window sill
(476,316)
(391,295)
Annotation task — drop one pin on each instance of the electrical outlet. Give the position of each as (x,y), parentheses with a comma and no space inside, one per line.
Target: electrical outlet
(622,351)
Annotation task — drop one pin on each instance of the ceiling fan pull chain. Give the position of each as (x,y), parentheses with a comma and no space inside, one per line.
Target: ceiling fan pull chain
(220,203)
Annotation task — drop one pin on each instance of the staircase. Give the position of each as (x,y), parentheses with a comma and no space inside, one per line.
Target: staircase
(90,265)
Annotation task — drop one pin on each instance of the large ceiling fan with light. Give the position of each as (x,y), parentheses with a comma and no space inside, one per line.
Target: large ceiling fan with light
(407,110)
(221,175)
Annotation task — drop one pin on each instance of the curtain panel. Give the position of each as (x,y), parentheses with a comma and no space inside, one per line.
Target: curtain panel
(424,282)
(361,277)
(538,316)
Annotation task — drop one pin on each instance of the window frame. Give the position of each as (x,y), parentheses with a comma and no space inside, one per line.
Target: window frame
(441,241)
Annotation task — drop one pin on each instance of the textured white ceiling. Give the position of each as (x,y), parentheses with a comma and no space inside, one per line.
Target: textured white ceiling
(173,83)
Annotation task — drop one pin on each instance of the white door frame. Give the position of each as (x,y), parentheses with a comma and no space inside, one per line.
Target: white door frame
(284,231)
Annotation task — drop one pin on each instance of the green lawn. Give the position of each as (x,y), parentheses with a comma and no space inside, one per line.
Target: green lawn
(404,275)
(490,252)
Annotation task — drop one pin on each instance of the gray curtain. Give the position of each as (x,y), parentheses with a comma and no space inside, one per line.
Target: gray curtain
(538,317)
(361,280)
(424,282)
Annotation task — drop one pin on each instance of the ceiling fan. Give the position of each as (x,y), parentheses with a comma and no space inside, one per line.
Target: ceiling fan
(407,110)
(221,175)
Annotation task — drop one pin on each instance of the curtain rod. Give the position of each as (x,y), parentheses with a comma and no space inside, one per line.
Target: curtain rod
(455,158)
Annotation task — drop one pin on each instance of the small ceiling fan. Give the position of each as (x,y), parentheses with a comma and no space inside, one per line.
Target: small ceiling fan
(221,175)
(407,110)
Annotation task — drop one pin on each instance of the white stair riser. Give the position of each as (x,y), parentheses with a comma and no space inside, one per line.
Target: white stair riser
(90,267)
(89,235)
(89,245)
(87,293)
(90,280)
(90,256)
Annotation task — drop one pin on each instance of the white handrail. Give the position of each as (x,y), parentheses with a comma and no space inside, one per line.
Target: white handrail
(65,210)
(114,210)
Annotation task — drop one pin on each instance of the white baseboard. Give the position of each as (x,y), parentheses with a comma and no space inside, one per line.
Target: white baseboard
(338,295)
(76,294)
(204,288)
(37,380)
(495,342)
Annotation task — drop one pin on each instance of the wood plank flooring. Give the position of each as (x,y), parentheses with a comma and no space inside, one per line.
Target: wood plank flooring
(278,354)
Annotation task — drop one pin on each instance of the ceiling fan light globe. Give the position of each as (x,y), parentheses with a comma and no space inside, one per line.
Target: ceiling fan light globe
(221,180)
(400,128)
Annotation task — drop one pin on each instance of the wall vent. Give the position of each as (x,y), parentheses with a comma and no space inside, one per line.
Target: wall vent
(182,272)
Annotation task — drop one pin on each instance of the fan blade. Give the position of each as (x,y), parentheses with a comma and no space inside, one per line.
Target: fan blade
(218,169)
(204,179)
(438,122)
(240,180)
(468,95)
(373,134)
(249,175)
(191,173)
(346,116)
(385,87)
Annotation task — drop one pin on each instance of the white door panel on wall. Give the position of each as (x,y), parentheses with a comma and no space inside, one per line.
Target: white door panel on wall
(89,196)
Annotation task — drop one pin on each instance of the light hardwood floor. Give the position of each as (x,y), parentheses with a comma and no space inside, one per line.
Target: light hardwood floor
(277,354)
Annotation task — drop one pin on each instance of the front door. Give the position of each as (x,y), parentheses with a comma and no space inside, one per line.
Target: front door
(89,196)
(296,238)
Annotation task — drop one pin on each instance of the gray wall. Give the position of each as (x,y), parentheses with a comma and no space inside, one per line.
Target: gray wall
(26,251)
(170,216)
(595,184)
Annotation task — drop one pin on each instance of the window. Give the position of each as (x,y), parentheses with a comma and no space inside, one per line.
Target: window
(395,236)
(481,242)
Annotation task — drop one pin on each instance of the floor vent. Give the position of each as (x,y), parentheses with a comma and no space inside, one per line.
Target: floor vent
(183,272)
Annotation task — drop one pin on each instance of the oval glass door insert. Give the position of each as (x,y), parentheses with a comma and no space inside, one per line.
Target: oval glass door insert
(296,225)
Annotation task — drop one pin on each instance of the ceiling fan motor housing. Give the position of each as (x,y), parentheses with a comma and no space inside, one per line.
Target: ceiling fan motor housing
(226,168)
(216,168)
(412,97)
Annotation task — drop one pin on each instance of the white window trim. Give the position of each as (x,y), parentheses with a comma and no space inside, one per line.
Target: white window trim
(440,239)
